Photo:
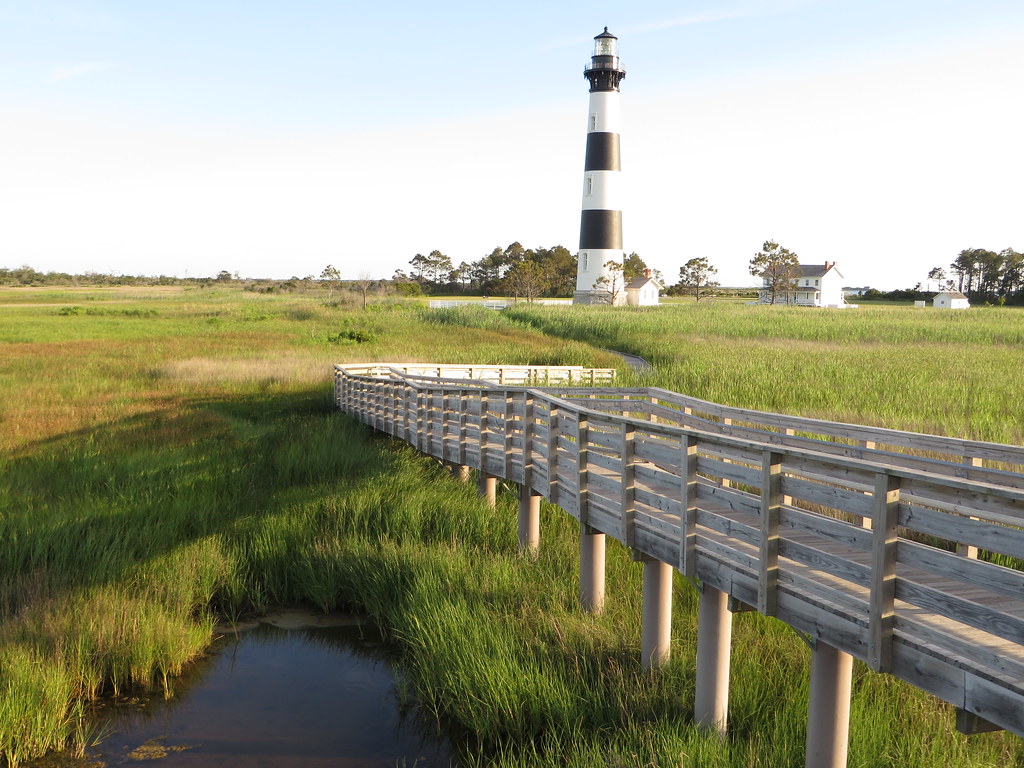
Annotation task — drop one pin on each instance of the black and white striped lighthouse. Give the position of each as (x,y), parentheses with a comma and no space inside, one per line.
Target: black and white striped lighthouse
(601,222)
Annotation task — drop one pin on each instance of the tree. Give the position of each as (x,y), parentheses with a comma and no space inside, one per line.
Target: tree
(224,276)
(330,276)
(938,276)
(611,282)
(559,267)
(1013,272)
(526,279)
(777,267)
(363,285)
(695,278)
(433,268)
(633,267)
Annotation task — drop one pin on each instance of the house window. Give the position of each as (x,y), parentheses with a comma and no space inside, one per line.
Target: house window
(589,186)
(593,122)
(815,282)
(584,257)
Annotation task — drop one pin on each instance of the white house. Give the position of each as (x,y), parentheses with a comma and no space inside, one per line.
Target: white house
(950,300)
(817,285)
(643,291)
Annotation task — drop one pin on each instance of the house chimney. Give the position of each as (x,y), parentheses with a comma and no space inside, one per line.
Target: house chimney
(647,273)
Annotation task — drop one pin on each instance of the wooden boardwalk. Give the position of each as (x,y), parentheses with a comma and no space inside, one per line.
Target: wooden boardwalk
(865,540)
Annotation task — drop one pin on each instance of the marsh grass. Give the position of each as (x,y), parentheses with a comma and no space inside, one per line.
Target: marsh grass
(958,374)
(161,472)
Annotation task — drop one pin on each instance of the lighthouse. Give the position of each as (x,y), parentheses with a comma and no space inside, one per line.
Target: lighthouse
(601,220)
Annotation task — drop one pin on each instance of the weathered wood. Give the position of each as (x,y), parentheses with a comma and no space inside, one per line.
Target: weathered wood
(952,625)
(1005,540)
(627,485)
(771,502)
(688,500)
(883,571)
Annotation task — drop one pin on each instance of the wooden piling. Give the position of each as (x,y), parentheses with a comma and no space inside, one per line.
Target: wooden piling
(591,569)
(714,644)
(828,717)
(656,627)
(529,519)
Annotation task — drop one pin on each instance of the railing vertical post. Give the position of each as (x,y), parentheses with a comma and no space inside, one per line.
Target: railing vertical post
(445,426)
(508,412)
(528,427)
(882,607)
(421,418)
(628,483)
(378,405)
(462,427)
(656,624)
(552,453)
(969,550)
(714,643)
(828,715)
(486,483)
(688,502)
(771,504)
(582,471)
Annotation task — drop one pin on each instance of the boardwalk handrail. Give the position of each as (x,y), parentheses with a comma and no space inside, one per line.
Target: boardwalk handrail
(864,539)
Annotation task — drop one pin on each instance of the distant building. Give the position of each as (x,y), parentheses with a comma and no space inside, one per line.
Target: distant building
(950,300)
(643,291)
(817,285)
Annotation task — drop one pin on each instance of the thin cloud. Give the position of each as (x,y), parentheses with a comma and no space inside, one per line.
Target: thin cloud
(73,71)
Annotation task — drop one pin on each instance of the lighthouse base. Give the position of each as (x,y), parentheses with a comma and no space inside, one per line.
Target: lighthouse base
(600,298)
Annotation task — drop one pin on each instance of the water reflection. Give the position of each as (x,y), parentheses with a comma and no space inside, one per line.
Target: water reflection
(277,697)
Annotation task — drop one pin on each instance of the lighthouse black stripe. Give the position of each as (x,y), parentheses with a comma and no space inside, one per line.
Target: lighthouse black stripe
(601,229)
(602,152)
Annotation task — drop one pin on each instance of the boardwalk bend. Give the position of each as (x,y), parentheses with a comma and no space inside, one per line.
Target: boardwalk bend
(890,547)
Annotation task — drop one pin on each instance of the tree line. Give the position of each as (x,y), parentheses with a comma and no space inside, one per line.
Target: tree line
(984,275)
(526,273)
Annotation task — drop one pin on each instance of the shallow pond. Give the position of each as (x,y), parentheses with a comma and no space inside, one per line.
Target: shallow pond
(272,696)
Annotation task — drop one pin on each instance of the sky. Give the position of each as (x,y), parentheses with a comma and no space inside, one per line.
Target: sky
(273,139)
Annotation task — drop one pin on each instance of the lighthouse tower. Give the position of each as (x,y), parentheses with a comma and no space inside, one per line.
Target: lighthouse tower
(601,222)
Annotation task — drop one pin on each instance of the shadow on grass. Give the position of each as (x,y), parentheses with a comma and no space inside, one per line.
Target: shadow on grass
(91,507)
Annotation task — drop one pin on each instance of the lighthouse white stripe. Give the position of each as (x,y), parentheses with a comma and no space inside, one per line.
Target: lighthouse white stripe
(602,191)
(604,106)
(591,266)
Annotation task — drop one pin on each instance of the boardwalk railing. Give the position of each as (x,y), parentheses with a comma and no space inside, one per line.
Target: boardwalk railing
(866,540)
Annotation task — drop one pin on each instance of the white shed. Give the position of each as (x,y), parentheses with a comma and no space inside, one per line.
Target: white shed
(950,300)
(643,291)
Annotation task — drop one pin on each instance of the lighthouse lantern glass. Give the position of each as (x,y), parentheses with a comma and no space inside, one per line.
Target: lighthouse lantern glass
(604,46)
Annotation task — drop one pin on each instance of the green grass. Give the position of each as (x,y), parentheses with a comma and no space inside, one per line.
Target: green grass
(163,469)
(950,373)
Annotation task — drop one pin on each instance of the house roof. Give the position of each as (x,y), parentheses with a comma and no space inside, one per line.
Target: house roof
(818,270)
(640,282)
(951,294)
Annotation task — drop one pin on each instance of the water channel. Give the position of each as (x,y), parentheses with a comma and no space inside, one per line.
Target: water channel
(279,696)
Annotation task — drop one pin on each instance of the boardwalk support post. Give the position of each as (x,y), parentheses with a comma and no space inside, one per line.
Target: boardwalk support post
(714,641)
(828,718)
(591,569)
(529,519)
(656,627)
(487,486)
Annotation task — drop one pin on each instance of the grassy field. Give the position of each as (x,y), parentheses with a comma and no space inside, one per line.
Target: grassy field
(171,457)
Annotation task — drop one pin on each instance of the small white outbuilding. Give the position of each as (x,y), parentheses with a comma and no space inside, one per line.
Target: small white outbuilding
(643,291)
(950,300)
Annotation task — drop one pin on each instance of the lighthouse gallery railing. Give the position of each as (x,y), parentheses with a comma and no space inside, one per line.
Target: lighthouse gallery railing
(863,538)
